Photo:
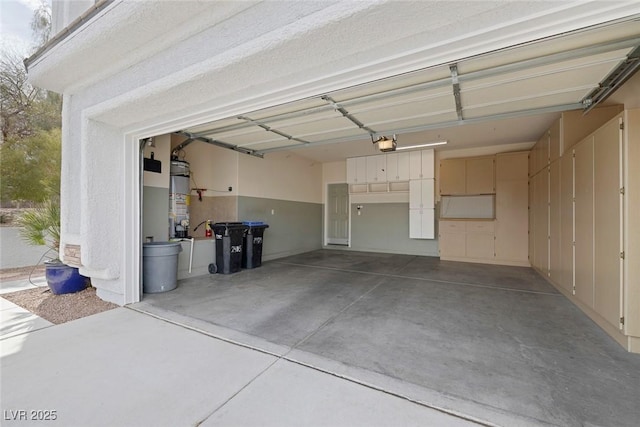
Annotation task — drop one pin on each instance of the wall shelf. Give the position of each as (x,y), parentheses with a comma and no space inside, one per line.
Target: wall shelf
(380,187)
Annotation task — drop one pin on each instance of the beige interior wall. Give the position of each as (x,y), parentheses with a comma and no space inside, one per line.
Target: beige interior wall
(627,95)
(282,176)
(333,172)
(212,168)
(576,125)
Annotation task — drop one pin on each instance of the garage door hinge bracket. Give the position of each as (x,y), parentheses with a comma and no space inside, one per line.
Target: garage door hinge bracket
(622,126)
(453,68)
(622,320)
(340,109)
(622,255)
(622,191)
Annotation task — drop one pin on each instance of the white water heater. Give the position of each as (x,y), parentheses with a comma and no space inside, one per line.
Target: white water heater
(179,199)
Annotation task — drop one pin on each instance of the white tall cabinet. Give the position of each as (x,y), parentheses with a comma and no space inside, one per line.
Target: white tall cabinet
(421,209)
(421,164)
(421,195)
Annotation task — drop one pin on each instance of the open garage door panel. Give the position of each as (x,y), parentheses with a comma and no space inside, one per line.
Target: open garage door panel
(563,73)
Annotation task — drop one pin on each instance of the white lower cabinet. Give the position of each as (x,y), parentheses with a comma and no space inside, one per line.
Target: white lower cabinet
(421,223)
(421,209)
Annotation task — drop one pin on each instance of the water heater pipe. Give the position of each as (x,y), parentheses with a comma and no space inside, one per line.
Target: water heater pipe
(191,255)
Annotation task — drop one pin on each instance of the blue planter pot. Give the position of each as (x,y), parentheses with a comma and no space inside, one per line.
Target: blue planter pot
(63,279)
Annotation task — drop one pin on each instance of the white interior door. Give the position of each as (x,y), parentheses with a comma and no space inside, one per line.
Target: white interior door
(338,214)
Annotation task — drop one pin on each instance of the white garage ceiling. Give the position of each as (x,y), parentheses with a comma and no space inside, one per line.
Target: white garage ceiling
(519,90)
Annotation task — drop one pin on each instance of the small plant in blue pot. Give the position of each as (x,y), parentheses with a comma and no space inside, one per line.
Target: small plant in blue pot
(41,226)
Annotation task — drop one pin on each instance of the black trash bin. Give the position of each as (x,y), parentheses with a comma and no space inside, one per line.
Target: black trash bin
(229,247)
(252,254)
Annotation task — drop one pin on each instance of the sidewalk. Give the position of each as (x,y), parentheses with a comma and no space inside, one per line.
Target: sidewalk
(15,320)
(122,367)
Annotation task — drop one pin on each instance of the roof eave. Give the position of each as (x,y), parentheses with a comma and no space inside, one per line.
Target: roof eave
(67,31)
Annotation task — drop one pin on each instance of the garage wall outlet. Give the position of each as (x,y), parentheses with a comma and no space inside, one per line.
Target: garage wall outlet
(230,188)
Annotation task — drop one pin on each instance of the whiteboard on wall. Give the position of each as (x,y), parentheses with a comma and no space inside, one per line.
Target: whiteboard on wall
(468,207)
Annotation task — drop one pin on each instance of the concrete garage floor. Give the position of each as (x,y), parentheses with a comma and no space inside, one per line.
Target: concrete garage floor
(494,343)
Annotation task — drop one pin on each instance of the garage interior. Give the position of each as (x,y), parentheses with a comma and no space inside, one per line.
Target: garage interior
(525,312)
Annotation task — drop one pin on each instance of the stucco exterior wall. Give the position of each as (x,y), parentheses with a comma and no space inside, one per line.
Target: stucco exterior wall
(149,68)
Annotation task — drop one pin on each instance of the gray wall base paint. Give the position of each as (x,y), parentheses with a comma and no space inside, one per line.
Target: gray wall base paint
(295,227)
(204,253)
(155,213)
(384,227)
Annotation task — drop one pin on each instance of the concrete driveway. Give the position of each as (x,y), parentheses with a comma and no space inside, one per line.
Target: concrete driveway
(125,368)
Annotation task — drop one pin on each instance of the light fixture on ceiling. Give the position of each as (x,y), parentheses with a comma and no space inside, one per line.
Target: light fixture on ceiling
(151,142)
(385,144)
(429,144)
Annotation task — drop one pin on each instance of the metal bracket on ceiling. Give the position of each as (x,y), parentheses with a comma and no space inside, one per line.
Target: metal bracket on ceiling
(183,144)
(196,137)
(270,129)
(456,89)
(439,125)
(340,109)
(613,81)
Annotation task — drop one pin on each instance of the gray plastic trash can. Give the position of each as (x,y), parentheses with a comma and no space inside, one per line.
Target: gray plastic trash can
(160,266)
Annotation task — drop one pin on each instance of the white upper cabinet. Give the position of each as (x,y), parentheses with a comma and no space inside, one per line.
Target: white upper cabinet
(398,166)
(376,168)
(392,167)
(421,194)
(357,170)
(421,164)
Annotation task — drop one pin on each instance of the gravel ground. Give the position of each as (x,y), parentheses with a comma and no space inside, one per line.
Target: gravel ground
(59,308)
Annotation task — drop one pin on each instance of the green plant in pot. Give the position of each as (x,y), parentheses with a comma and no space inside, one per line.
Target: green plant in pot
(41,226)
